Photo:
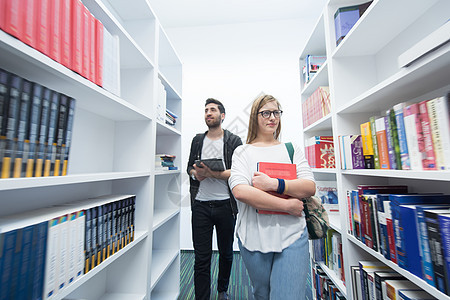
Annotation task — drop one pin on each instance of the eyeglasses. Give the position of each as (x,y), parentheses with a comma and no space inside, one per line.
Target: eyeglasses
(266,113)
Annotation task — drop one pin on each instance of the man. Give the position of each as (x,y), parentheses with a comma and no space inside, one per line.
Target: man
(212,202)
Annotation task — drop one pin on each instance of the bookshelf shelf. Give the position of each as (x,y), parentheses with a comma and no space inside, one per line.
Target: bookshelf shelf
(335,222)
(114,142)
(365,80)
(332,275)
(416,280)
(324,170)
(320,79)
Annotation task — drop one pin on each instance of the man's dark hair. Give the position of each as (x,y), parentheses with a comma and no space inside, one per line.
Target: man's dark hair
(215,101)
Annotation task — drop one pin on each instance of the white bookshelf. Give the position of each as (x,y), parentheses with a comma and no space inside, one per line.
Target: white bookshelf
(113,149)
(365,80)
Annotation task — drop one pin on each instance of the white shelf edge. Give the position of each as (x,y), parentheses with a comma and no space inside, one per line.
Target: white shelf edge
(169,172)
(121,296)
(165,259)
(318,123)
(333,276)
(335,222)
(416,280)
(33,182)
(161,216)
(42,61)
(167,129)
(405,174)
(139,236)
(165,295)
(324,170)
(312,85)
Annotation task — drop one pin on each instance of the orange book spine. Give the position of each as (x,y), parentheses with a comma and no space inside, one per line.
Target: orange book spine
(382,143)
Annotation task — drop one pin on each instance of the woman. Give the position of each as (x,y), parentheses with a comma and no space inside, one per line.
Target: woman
(274,247)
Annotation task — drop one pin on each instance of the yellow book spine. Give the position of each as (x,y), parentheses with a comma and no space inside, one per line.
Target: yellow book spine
(17,167)
(29,170)
(6,167)
(39,167)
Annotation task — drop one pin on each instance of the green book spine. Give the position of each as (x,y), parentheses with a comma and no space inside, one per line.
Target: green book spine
(374,141)
(394,133)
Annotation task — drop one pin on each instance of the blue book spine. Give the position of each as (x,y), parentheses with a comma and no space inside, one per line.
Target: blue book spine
(24,268)
(9,244)
(390,144)
(38,261)
(427,264)
(444,223)
(384,244)
(409,255)
(435,238)
(356,215)
(404,154)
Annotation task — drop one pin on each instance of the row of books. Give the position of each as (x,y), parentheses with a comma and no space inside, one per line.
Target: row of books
(311,66)
(35,128)
(38,259)
(329,251)
(165,162)
(346,17)
(316,106)
(68,33)
(372,280)
(414,136)
(324,288)
(411,230)
(319,152)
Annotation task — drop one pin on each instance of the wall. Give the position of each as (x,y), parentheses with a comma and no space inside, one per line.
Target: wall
(234,63)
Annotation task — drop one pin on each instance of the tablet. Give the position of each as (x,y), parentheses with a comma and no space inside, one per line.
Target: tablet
(215,164)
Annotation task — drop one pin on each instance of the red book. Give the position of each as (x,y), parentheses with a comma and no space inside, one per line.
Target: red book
(86,37)
(91,76)
(66,33)
(277,170)
(28,15)
(43,26)
(12,22)
(2,14)
(77,36)
(429,157)
(382,143)
(391,239)
(98,52)
(55,30)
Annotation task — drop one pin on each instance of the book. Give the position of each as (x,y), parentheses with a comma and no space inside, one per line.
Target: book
(393,135)
(327,192)
(5,78)
(346,17)
(414,295)
(86,42)
(428,154)
(277,170)
(444,225)
(39,249)
(55,28)
(402,141)
(52,259)
(9,243)
(43,132)
(435,240)
(43,26)
(98,52)
(370,219)
(436,133)
(66,33)
(58,155)
(369,280)
(414,135)
(390,142)
(67,138)
(365,266)
(376,158)
(12,22)
(380,277)
(33,130)
(52,127)
(28,15)
(353,152)
(380,127)
(92,68)
(356,281)
(382,207)
(76,42)
(367,143)
(424,245)
(320,152)
(443,120)
(393,287)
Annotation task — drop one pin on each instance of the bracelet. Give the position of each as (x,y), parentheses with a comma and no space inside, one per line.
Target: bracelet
(281,185)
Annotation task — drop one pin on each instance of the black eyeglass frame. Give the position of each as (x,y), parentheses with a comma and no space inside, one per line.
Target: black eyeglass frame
(276,113)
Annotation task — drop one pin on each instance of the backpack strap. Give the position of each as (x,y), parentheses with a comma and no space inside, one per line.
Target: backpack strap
(290,150)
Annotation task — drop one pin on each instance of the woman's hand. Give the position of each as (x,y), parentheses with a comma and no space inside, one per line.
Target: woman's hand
(294,207)
(265,183)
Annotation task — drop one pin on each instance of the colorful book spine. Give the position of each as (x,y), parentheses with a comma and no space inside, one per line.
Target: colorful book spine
(442,110)
(367,143)
(376,158)
(383,151)
(43,26)
(414,135)
(429,156)
(43,132)
(390,141)
(33,130)
(66,35)
(403,144)
(28,14)
(77,36)
(55,29)
(436,133)
(444,225)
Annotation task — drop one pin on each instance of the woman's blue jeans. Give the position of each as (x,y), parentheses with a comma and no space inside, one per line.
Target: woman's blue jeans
(279,275)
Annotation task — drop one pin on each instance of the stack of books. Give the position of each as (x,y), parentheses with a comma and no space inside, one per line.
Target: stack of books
(317,106)
(69,34)
(165,162)
(35,128)
(171,118)
(312,65)
(323,286)
(412,136)
(346,17)
(319,152)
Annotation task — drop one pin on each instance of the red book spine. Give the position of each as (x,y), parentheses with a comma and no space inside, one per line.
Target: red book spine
(77,34)
(98,52)
(429,157)
(12,24)
(2,14)
(324,155)
(86,37)
(43,26)
(66,33)
(28,15)
(55,30)
(391,240)
(92,68)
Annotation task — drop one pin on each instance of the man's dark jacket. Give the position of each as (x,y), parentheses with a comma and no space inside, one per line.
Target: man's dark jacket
(230,142)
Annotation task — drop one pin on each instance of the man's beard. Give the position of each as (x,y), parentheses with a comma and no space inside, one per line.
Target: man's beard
(216,123)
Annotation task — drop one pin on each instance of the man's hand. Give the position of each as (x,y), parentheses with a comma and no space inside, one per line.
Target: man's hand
(202,172)
(264,182)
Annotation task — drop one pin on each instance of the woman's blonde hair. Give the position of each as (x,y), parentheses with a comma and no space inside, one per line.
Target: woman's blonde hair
(253,122)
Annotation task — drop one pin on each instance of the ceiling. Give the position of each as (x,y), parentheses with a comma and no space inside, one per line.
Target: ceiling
(187,13)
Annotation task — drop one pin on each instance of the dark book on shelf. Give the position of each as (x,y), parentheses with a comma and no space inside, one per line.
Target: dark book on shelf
(444,225)
(57,156)
(43,132)
(33,130)
(381,276)
(395,139)
(50,144)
